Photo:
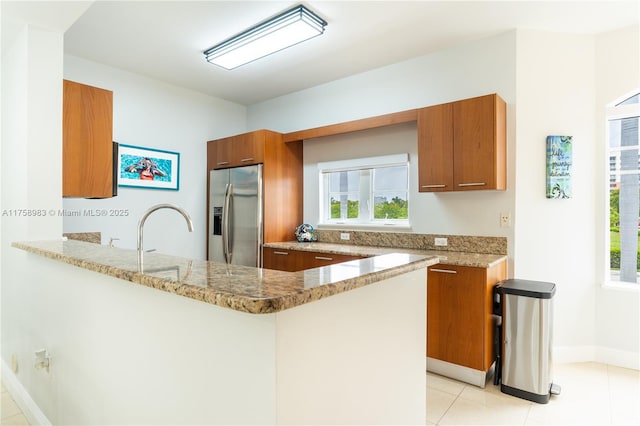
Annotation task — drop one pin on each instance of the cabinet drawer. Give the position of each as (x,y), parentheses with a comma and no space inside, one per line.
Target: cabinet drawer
(282,260)
(317,259)
(294,260)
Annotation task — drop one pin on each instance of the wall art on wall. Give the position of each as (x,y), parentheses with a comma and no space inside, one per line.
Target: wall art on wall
(559,163)
(148,168)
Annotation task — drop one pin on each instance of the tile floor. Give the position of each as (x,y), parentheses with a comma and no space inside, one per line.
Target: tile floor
(10,413)
(592,394)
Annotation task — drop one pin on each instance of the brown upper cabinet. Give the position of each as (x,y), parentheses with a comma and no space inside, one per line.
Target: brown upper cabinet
(462,145)
(87,141)
(239,150)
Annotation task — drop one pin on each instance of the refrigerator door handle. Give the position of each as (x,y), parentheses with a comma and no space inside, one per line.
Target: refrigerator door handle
(230,224)
(226,237)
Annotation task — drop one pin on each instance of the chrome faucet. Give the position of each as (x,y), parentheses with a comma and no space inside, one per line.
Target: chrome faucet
(152,209)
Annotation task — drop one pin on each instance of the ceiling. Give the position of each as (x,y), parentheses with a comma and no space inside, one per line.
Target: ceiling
(165,39)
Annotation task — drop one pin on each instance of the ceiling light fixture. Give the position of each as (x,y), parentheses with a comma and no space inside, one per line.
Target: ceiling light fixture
(285,30)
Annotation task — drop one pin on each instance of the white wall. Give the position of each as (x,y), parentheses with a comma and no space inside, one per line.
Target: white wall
(555,239)
(31,164)
(560,240)
(617,311)
(473,69)
(428,80)
(153,114)
(31,156)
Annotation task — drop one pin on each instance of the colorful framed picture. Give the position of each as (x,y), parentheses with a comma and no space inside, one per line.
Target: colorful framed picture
(559,162)
(141,167)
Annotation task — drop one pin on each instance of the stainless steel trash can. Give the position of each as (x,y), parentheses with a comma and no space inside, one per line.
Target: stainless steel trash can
(527,339)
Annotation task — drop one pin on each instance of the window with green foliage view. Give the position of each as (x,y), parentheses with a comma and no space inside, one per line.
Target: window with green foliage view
(624,191)
(366,194)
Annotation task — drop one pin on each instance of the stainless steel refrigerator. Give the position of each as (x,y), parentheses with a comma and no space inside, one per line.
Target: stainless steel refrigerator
(235,215)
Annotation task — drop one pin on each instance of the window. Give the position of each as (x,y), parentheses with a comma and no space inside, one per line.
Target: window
(366,191)
(624,190)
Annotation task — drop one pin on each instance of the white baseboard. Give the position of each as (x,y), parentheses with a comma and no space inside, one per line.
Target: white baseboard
(29,408)
(569,354)
(624,359)
(618,358)
(458,372)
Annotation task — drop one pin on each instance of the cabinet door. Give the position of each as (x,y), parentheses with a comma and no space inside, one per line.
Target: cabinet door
(455,315)
(248,148)
(234,151)
(220,153)
(281,260)
(479,143)
(87,141)
(435,148)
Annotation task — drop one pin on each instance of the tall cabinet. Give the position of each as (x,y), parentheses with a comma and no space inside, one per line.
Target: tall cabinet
(462,145)
(87,141)
(282,177)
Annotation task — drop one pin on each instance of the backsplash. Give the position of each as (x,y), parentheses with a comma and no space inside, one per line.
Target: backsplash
(458,243)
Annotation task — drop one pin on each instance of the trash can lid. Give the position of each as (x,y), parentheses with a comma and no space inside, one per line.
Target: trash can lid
(527,288)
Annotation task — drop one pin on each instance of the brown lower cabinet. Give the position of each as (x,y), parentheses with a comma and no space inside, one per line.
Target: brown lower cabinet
(298,260)
(281,260)
(460,329)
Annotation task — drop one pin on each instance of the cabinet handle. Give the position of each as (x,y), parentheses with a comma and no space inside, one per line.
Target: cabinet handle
(472,184)
(222,163)
(281,252)
(244,160)
(441,185)
(446,271)
(323,258)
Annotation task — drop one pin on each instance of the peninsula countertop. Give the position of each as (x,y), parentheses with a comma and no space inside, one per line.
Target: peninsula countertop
(480,260)
(241,288)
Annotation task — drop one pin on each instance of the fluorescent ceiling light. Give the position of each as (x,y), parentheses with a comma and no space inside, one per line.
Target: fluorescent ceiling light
(285,30)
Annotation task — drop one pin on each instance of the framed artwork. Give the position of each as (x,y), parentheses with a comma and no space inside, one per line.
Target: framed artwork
(140,167)
(559,162)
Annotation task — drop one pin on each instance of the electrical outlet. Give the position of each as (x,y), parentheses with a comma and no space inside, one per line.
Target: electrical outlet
(505,220)
(345,236)
(440,242)
(14,363)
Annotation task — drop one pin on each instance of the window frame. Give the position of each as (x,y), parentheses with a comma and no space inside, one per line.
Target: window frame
(614,111)
(360,164)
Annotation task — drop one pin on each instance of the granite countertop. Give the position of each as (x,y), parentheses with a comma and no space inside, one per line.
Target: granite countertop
(480,260)
(241,288)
